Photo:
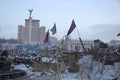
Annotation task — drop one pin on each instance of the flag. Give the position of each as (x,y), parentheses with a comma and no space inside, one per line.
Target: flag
(118,34)
(46,37)
(72,27)
(53,30)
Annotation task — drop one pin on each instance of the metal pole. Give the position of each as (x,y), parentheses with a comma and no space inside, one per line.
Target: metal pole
(81,40)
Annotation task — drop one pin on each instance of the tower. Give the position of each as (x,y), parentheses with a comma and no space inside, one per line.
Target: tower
(30,19)
(31,32)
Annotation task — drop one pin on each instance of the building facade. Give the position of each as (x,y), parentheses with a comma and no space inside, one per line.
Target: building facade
(35,35)
(21,33)
(42,33)
(76,46)
(114,43)
(31,33)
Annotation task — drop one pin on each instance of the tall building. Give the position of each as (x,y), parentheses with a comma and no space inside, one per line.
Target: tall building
(21,33)
(42,34)
(31,33)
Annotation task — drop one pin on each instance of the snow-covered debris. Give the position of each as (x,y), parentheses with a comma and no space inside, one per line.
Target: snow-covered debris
(94,70)
(86,59)
(46,59)
(89,70)
(24,67)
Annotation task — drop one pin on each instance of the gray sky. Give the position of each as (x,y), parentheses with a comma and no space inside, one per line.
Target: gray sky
(95,19)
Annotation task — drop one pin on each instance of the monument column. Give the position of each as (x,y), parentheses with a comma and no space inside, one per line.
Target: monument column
(30,19)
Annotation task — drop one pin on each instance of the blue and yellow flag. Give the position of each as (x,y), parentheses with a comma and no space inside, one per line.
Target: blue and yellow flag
(54,30)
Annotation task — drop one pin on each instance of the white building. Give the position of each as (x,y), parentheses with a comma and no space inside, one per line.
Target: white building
(114,43)
(76,45)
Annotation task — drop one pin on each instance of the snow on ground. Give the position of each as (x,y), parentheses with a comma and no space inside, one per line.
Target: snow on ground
(24,67)
(94,70)
(68,76)
(90,70)
(45,59)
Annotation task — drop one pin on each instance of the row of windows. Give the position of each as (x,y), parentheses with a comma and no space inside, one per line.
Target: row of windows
(85,44)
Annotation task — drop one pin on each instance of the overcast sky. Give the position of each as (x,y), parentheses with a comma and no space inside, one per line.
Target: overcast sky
(95,19)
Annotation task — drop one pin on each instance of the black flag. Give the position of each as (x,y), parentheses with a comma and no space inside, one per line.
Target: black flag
(118,34)
(72,27)
(46,37)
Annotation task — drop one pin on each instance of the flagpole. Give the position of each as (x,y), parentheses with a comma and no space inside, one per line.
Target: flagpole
(46,41)
(81,40)
(73,25)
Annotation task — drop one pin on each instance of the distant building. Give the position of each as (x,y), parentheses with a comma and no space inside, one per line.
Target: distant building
(35,35)
(114,43)
(21,34)
(53,41)
(42,34)
(75,45)
(31,32)
(7,46)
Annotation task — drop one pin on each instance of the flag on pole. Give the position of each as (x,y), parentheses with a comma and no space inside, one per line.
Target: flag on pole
(46,37)
(54,30)
(72,27)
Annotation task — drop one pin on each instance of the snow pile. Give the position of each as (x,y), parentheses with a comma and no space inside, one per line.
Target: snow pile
(94,70)
(86,59)
(45,59)
(85,67)
(89,70)
(68,76)
(86,62)
(24,67)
